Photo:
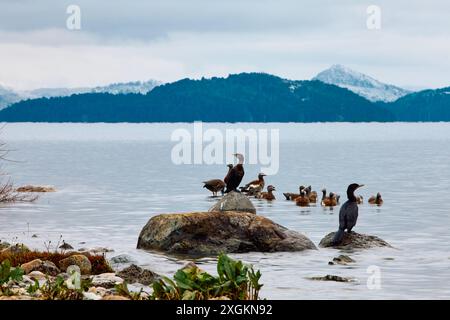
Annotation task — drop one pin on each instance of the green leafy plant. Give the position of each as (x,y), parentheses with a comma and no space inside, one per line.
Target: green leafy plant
(7,273)
(58,290)
(235,280)
(122,289)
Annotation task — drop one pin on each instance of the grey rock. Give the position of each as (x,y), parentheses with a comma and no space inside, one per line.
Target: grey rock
(353,240)
(136,274)
(233,201)
(212,233)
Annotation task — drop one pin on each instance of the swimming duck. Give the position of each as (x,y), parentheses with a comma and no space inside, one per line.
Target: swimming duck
(376,199)
(293,196)
(359,200)
(302,200)
(235,175)
(256,186)
(312,195)
(330,201)
(267,195)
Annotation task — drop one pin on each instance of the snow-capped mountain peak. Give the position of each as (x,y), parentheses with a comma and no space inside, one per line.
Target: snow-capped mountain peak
(360,83)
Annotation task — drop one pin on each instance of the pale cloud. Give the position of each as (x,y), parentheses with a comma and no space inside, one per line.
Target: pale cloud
(169,40)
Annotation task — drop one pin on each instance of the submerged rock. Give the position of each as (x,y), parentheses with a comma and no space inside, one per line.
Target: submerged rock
(122,259)
(212,233)
(78,260)
(35,189)
(342,259)
(233,201)
(135,274)
(353,240)
(330,277)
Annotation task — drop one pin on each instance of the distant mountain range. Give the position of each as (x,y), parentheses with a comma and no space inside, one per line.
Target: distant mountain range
(10,96)
(245,97)
(361,84)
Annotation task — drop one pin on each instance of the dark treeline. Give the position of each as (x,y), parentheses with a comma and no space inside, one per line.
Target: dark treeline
(244,97)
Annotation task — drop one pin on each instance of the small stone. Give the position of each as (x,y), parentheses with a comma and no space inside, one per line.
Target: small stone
(37,275)
(106,280)
(135,274)
(122,259)
(34,236)
(91,296)
(78,260)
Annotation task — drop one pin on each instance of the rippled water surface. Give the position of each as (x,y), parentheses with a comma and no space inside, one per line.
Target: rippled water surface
(112,178)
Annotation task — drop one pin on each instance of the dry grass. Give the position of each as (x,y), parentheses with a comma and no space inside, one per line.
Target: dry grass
(99,262)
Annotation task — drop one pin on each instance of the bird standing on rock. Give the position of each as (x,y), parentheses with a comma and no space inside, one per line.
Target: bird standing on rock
(348,215)
(235,175)
(216,185)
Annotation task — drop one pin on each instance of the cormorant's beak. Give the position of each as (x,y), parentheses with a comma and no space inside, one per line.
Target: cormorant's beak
(360,186)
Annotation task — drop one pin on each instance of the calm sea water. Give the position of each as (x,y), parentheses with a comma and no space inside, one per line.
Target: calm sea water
(112,178)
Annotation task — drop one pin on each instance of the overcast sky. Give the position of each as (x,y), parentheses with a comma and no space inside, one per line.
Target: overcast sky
(123,40)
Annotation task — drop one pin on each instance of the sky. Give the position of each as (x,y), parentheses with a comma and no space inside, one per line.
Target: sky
(123,40)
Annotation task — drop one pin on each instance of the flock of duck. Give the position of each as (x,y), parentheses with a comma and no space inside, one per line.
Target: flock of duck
(304,198)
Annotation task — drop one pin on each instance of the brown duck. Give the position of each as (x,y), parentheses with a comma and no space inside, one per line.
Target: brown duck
(216,185)
(312,195)
(328,201)
(267,195)
(293,196)
(302,200)
(256,186)
(377,200)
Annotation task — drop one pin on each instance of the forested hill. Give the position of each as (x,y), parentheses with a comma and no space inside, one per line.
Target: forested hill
(246,97)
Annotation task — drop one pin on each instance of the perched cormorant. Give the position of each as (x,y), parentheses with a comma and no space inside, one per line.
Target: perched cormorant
(376,199)
(256,186)
(230,166)
(267,195)
(348,215)
(302,200)
(235,175)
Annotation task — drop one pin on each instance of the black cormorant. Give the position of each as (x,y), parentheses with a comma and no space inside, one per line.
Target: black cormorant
(235,175)
(348,215)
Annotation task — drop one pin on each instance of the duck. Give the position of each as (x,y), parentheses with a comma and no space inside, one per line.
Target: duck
(254,187)
(267,195)
(293,196)
(348,214)
(302,200)
(330,201)
(377,200)
(312,195)
(359,200)
(235,175)
(216,185)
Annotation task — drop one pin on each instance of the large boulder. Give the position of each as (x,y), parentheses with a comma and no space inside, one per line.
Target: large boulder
(233,201)
(135,274)
(78,260)
(46,267)
(211,233)
(353,240)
